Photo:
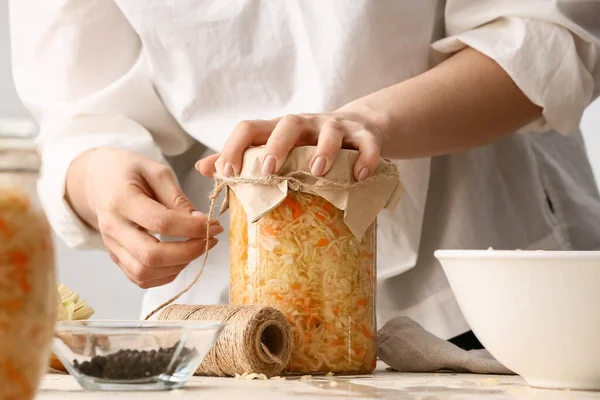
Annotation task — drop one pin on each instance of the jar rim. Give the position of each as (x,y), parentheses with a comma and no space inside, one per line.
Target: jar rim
(18,152)
(17,128)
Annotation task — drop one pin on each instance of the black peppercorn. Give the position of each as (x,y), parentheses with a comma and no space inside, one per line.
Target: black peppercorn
(133,364)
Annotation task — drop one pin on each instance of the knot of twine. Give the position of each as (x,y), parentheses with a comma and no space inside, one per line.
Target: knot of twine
(255,338)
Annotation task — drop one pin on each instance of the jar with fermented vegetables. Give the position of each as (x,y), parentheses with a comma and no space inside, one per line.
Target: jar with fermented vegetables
(302,259)
(308,246)
(28,294)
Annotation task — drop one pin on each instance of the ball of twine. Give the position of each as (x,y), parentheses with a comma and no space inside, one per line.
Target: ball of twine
(255,339)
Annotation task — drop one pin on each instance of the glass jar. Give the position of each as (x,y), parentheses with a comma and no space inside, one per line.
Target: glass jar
(302,259)
(28,295)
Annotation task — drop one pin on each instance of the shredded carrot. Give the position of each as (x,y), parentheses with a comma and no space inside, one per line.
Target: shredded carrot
(11,305)
(16,377)
(19,257)
(365,331)
(4,229)
(335,230)
(295,286)
(358,350)
(20,261)
(322,242)
(336,310)
(294,205)
(327,207)
(314,200)
(320,217)
(338,342)
(362,302)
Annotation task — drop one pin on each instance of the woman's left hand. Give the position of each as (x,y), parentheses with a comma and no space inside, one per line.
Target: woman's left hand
(329,132)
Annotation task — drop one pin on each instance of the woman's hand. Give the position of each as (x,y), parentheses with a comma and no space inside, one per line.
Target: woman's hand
(329,132)
(125,196)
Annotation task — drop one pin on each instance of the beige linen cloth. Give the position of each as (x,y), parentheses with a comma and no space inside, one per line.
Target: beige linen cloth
(405,346)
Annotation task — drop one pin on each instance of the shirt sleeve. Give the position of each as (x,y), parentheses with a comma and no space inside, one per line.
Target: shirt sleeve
(80,69)
(550,49)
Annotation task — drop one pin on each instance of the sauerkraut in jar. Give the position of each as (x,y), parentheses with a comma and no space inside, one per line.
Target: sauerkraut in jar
(302,259)
(306,245)
(27,276)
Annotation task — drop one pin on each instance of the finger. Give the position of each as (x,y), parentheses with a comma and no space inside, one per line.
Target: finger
(245,135)
(144,283)
(139,274)
(168,279)
(206,166)
(166,189)
(148,250)
(329,144)
(369,152)
(156,218)
(284,137)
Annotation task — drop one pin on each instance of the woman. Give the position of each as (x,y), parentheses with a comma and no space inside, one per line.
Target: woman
(127,91)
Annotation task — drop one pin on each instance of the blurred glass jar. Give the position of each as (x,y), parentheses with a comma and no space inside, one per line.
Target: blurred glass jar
(28,297)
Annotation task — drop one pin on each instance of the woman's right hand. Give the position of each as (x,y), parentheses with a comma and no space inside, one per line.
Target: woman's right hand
(126,196)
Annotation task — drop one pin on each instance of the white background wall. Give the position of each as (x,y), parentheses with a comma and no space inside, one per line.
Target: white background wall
(93,274)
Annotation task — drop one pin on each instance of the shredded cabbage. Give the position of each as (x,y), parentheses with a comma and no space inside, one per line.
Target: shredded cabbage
(302,259)
(70,306)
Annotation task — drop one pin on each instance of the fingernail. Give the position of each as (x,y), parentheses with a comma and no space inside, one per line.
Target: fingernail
(228,170)
(197,214)
(268,166)
(215,230)
(318,166)
(362,175)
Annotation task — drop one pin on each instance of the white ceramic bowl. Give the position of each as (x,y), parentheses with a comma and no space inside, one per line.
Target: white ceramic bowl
(537,312)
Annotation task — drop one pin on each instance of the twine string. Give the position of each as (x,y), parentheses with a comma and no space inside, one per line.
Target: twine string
(255,338)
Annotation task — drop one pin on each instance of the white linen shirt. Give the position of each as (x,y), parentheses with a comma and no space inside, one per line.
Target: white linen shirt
(159,76)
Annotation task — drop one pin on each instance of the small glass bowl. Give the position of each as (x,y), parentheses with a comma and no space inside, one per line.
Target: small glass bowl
(133,355)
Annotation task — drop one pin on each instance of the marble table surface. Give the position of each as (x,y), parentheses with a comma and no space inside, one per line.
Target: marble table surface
(380,385)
